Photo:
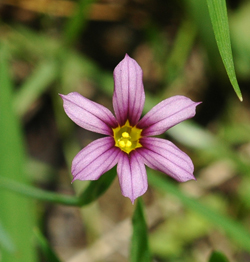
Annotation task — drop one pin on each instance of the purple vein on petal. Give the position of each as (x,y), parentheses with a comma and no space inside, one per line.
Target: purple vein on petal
(88,114)
(166,114)
(91,148)
(170,148)
(136,94)
(129,96)
(164,156)
(132,175)
(95,159)
(142,182)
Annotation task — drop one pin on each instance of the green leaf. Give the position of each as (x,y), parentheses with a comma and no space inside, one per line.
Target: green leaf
(181,50)
(77,22)
(93,191)
(49,254)
(35,85)
(37,193)
(234,229)
(16,213)
(218,257)
(139,245)
(218,14)
(96,188)
(5,240)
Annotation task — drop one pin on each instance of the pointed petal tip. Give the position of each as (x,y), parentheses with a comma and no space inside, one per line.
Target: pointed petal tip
(68,96)
(88,114)
(196,104)
(184,179)
(167,114)
(129,60)
(127,57)
(163,155)
(71,93)
(129,96)
(195,109)
(132,199)
(132,176)
(188,178)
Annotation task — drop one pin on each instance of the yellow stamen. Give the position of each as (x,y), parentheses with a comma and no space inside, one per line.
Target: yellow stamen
(127,137)
(125,134)
(128,144)
(122,144)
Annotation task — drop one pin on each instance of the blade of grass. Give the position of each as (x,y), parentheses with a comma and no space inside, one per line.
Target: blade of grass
(5,240)
(93,191)
(77,22)
(218,14)
(16,213)
(139,244)
(181,50)
(96,188)
(30,191)
(38,82)
(237,232)
(49,254)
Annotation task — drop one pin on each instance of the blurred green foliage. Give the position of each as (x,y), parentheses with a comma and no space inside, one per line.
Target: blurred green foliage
(55,64)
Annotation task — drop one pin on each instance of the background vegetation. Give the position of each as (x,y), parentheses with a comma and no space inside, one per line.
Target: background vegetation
(59,46)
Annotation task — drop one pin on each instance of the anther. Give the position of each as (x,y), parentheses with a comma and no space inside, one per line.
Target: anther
(127,137)
(125,134)
(128,144)
(122,144)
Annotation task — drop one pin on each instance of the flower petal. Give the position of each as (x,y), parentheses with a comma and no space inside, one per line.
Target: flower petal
(88,114)
(162,155)
(129,96)
(166,114)
(132,175)
(95,159)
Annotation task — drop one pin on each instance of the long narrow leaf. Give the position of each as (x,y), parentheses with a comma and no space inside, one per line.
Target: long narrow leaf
(96,188)
(93,191)
(49,254)
(38,82)
(31,191)
(139,244)
(218,15)
(5,240)
(77,22)
(16,213)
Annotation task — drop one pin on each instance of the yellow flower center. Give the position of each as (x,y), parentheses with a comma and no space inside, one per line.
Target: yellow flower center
(127,137)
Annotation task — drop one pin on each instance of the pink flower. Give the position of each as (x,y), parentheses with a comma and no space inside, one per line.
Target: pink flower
(128,143)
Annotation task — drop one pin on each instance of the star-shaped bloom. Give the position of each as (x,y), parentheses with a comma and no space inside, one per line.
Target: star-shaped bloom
(128,142)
